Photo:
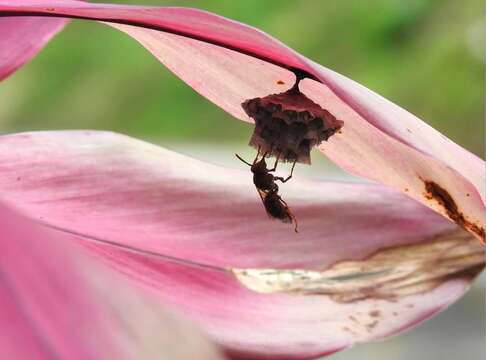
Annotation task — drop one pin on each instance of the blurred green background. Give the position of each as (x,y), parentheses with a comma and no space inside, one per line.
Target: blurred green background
(425,55)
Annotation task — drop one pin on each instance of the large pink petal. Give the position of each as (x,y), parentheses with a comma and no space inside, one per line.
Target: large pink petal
(55,304)
(197,235)
(46,309)
(380,140)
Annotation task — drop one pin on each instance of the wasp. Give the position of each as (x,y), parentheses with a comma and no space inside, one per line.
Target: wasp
(267,188)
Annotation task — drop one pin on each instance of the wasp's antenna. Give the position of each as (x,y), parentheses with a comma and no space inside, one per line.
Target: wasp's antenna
(243,160)
(293,165)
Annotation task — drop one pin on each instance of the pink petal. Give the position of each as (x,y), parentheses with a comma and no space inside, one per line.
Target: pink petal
(22,38)
(54,303)
(379,140)
(45,309)
(197,235)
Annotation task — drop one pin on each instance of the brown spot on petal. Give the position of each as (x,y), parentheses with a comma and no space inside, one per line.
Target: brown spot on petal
(434,191)
(374,313)
(371,325)
(280,82)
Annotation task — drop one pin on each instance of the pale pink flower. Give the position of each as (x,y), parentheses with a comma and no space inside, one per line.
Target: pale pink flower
(370,261)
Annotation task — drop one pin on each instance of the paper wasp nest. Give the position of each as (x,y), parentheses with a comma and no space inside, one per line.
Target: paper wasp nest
(289,124)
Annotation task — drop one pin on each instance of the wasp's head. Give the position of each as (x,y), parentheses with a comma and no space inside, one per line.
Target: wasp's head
(259,166)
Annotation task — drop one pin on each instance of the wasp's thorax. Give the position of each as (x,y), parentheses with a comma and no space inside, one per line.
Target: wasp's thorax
(289,124)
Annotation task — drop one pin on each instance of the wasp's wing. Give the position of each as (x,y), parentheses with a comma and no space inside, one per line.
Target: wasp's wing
(290,217)
(263,195)
(287,217)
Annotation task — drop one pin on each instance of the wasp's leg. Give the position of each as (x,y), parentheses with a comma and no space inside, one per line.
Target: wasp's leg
(258,154)
(276,163)
(288,177)
(268,153)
